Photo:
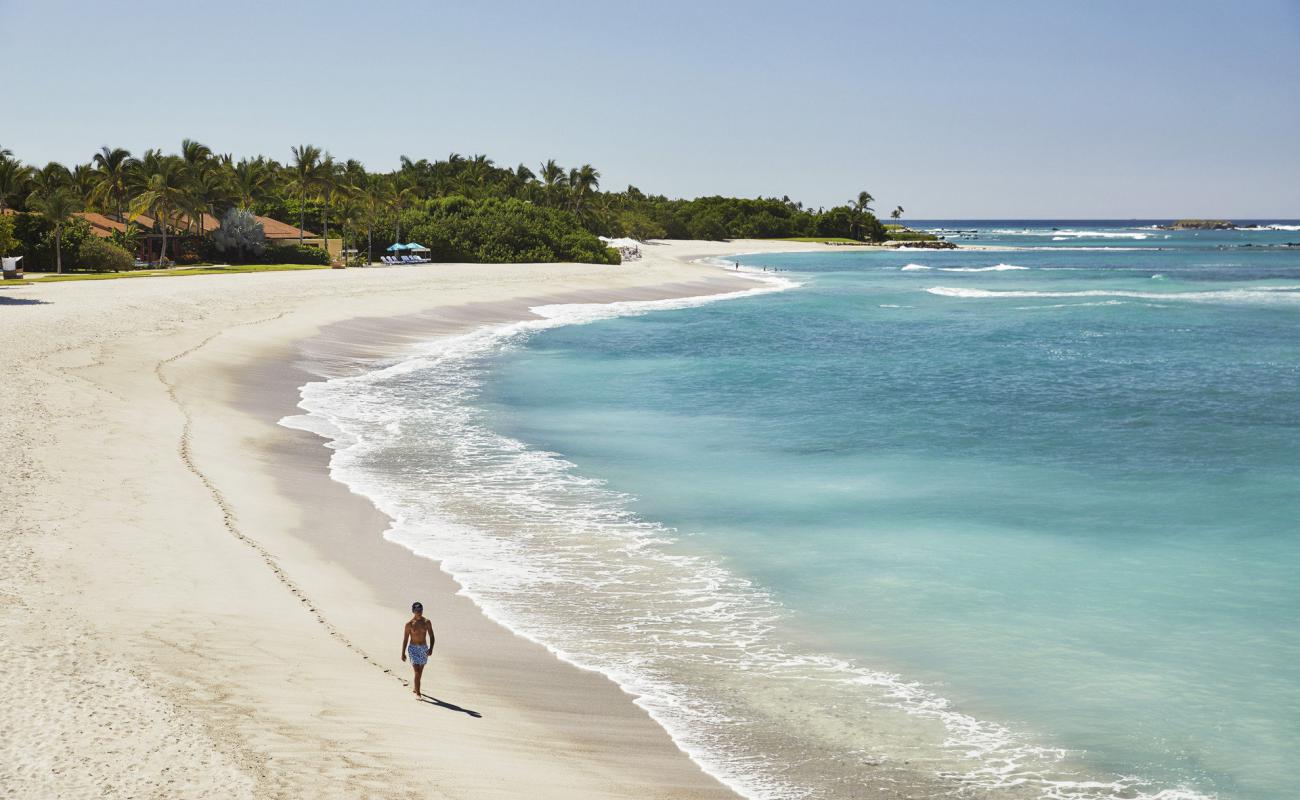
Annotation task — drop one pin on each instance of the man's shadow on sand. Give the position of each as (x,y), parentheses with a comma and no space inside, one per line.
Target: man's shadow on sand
(433,701)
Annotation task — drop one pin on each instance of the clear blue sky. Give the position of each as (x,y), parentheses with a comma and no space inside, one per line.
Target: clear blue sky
(953,109)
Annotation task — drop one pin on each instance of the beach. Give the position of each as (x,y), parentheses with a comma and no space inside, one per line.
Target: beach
(191,607)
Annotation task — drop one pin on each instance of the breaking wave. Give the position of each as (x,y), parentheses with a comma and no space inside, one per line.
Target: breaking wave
(1260,294)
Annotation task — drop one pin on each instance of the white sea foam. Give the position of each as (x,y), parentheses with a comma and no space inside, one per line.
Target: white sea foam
(1275,227)
(1258,294)
(1064,235)
(1090,248)
(914,268)
(1074,305)
(995,268)
(558,558)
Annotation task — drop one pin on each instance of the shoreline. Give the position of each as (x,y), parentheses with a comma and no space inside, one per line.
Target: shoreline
(227,669)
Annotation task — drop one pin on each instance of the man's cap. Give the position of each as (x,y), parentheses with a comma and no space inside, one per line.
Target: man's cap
(417,606)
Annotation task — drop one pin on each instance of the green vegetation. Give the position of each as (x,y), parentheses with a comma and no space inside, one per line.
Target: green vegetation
(510,231)
(297,254)
(1202,224)
(103,256)
(900,234)
(8,242)
(463,208)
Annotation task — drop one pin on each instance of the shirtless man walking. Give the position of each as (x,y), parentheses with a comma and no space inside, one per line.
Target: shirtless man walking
(415,644)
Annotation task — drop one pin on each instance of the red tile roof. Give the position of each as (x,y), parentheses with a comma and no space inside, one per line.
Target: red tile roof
(101,225)
(182,223)
(275,229)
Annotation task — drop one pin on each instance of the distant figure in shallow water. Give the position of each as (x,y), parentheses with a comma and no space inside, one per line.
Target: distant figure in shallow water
(415,644)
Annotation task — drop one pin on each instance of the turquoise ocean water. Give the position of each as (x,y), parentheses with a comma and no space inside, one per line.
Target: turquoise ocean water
(1015,523)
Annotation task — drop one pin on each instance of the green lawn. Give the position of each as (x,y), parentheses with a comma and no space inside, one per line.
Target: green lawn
(169,273)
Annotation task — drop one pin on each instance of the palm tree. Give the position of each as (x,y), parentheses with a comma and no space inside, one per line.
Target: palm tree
(351,213)
(526,181)
(164,192)
(398,196)
(897,213)
(250,180)
(84,184)
(115,167)
(328,181)
(304,179)
(583,180)
(50,180)
(478,170)
(860,207)
(198,172)
(605,212)
(13,179)
(373,196)
(552,179)
(354,173)
(209,189)
(196,154)
(55,200)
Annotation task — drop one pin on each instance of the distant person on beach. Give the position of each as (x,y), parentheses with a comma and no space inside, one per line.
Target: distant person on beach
(415,644)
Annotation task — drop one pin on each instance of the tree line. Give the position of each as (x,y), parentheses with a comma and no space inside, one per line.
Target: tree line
(468,206)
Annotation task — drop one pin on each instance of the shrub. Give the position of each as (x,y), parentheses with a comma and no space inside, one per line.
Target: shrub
(640,227)
(128,240)
(240,235)
(907,235)
(100,255)
(8,242)
(296,254)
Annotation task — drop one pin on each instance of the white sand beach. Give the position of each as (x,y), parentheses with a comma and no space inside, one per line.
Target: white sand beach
(190,607)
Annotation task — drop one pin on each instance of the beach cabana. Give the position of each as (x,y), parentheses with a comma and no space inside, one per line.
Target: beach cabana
(416,247)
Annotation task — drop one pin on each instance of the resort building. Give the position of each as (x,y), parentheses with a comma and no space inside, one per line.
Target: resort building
(277,232)
(104,227)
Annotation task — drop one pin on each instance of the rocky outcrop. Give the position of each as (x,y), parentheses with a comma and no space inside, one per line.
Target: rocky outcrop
(921,245)
(1201,225)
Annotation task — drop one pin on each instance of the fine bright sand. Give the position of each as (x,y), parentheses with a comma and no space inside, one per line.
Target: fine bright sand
(191,607)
